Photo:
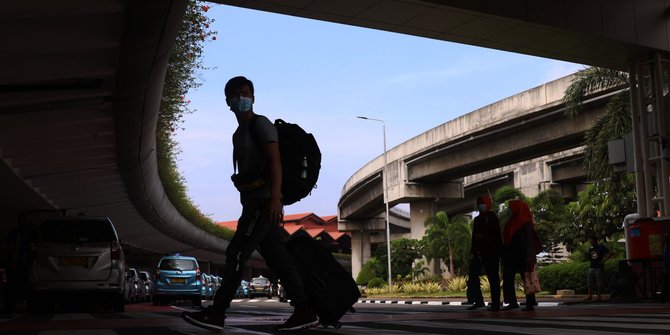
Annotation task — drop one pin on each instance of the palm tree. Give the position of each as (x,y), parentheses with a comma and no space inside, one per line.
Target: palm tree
(610,188)
(447,237)
(615,123)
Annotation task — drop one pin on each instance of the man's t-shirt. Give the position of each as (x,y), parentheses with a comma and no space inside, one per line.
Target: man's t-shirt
(596,254)
(249,154)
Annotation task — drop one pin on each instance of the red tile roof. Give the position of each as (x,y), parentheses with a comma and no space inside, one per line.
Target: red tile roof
(292,229)
(336,235)
(310,222)
(228,224)
(314,232)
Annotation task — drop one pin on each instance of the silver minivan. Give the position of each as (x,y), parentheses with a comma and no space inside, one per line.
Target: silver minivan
(77,257)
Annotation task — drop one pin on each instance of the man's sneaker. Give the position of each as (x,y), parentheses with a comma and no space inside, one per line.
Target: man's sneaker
(209,318)
(301,318)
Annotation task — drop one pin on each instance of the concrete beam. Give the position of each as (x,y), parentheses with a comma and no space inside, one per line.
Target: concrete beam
(352,225)
(413,191)
(525,138)
(568,171)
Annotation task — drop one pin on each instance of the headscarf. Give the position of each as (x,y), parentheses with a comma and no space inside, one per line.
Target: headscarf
(520,215)
(486,200)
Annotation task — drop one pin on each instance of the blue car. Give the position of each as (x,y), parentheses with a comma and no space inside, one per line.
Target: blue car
(178,277)
(207,290)
(243,290)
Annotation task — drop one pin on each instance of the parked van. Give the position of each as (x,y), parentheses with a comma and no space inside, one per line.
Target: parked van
(77,257)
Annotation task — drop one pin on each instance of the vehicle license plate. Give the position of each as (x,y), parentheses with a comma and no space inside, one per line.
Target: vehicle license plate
(74,261)
(178,280)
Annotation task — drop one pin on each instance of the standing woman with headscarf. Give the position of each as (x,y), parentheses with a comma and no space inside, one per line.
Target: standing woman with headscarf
(519,250)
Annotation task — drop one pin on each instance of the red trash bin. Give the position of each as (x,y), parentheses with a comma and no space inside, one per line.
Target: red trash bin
(645,239)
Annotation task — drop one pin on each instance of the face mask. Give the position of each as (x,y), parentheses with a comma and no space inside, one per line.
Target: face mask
(482,207)
(241,105)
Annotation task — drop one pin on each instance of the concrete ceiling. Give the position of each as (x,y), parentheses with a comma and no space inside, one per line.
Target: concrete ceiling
(603,33)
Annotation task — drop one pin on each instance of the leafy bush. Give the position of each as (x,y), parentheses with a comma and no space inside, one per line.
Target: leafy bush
(376,283)
(365,275)
(396,288)
(412,287)
(433,278)
(485,284)
(572,276)
(368,272)
(457,284)
(431,287)
(377,290)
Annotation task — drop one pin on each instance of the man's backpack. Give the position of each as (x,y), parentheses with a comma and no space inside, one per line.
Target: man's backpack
(300,159)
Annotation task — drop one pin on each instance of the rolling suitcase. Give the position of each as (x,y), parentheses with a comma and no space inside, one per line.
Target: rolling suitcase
(330,288)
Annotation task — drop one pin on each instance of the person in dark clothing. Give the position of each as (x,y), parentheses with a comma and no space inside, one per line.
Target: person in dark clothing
(485,250)
(519,250)
(259,180)
(598,255)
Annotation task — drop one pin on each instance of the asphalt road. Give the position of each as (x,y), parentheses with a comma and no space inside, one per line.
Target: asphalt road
(395,318)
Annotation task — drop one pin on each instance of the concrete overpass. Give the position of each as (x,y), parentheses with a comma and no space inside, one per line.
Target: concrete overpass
(432,165)
(80,83)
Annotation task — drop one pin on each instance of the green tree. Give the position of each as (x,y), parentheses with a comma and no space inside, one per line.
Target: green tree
(570,233)
(419,269)
(600,209)
(603,206)
(615,123)
(450,239)
(403,253)
(549,214)
(507,193)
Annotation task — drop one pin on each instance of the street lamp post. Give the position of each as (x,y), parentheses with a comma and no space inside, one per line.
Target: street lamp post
(386,202)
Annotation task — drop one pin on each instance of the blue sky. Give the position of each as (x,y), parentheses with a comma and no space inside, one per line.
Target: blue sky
(322,75)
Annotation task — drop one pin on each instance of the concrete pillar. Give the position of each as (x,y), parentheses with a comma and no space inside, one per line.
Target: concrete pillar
(360,250)
(420,211)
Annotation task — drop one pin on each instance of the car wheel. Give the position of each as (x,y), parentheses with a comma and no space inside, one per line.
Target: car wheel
(197,301)
(157,301)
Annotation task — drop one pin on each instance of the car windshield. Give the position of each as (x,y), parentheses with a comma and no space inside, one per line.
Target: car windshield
(261,281)
(178,264)
(79,231)
(143,276)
